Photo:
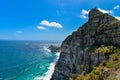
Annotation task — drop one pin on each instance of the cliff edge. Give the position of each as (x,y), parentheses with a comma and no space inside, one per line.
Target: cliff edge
(78,51)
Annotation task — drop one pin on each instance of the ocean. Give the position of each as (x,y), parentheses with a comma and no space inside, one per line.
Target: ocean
(27,60)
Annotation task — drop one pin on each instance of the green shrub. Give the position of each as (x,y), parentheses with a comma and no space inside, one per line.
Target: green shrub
(86,49)
(94,75)
(82,66)
(112,79)
(114,57)
(104,49)
(111,64)
(96,72)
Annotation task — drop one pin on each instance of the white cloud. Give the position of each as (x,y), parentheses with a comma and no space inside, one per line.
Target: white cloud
(84,14)
(41,28)
(117,17)
(19,32)
(105,11)
(51,24)
(116,7)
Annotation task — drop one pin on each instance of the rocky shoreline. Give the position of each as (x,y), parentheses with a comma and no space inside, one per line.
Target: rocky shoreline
(54,48)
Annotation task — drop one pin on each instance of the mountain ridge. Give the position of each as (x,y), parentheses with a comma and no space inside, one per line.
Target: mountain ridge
(78,49)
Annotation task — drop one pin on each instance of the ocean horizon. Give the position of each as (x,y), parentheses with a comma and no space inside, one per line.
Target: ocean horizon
(27,59)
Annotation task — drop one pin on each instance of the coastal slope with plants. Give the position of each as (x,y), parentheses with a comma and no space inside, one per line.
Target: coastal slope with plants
(92,52)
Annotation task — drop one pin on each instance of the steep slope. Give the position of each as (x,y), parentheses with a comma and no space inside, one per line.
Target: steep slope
(77,50)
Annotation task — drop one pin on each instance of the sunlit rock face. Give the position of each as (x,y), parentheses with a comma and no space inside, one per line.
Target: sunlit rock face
(77,55)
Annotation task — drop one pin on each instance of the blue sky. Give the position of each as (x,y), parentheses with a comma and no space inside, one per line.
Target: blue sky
(47,19)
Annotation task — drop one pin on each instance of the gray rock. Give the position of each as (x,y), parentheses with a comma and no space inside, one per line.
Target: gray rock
(54,48)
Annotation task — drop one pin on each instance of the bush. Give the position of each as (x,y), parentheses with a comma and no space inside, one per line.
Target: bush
(82,66)
(114,57)
(86,49)
(112,79)
(94,75)
(104,49)
(96,72)
(111,64)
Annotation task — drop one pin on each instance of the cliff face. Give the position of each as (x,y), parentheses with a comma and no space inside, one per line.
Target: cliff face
(77,55)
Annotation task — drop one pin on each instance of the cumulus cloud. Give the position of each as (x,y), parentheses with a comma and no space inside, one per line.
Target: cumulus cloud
(84,14)
(105,11)
(116,7)
(41,28)
(19,32)
(117,17)
(51,24)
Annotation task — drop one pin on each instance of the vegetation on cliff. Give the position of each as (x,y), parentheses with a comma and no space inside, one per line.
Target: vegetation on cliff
(107,70)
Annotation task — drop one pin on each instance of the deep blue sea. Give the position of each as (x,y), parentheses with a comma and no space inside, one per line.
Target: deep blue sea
(25,60)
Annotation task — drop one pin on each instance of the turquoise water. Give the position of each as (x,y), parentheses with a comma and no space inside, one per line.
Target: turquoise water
(24,60)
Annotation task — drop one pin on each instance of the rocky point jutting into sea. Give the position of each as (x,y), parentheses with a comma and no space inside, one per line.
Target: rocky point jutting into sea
(94,45)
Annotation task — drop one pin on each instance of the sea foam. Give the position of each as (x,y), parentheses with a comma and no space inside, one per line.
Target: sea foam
(51,69)
(46,49)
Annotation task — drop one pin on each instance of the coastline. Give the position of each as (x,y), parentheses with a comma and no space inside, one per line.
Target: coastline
(51,69)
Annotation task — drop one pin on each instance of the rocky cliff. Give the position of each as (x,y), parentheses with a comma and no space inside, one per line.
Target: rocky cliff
(77,50)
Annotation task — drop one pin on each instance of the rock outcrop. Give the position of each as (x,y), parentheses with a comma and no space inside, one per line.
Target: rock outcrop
(54,48)
(77,55)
